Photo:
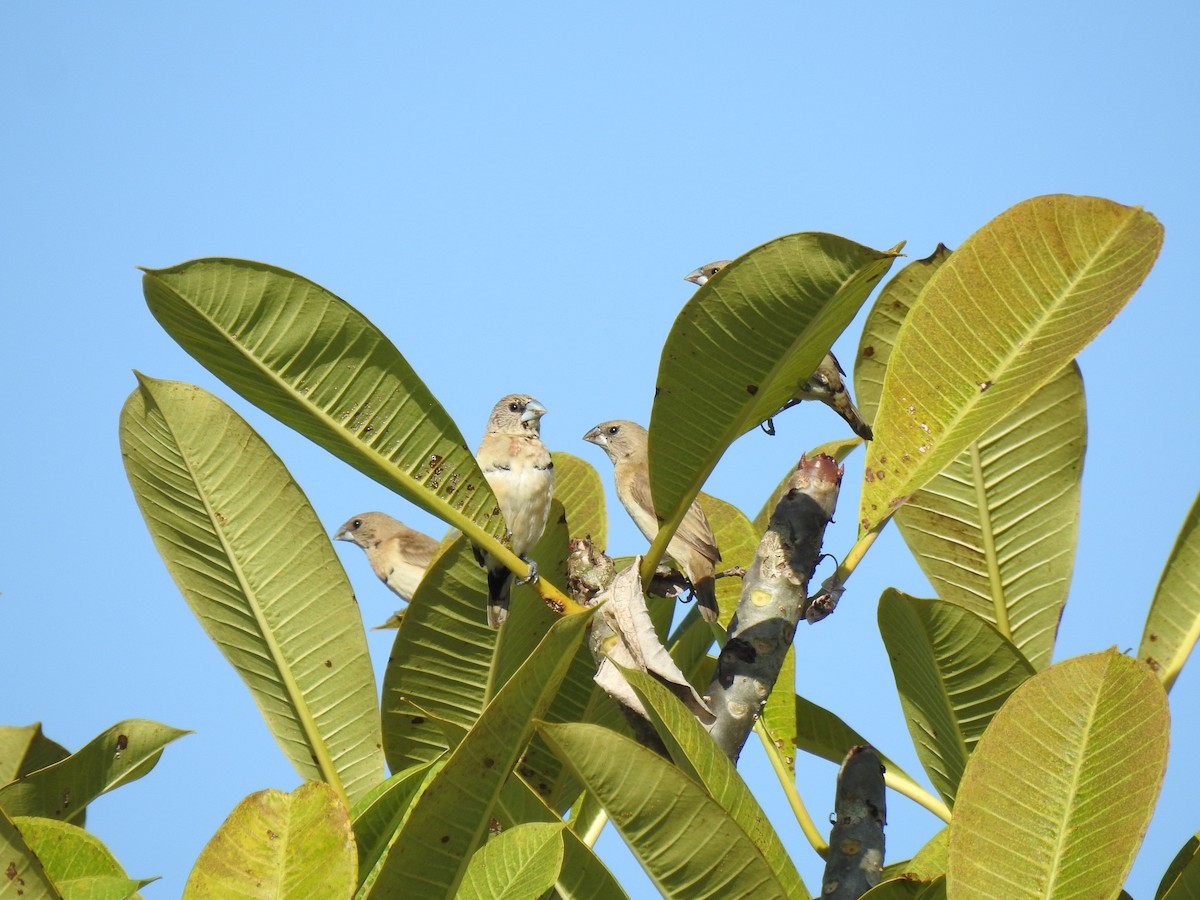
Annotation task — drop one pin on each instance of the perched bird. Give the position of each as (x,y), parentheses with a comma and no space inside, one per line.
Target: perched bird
(398,554)
(826,384)
(517,465)
(692,546)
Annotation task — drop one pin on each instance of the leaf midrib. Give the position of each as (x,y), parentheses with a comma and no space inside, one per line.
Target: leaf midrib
(295,695)
(736,428)
(1016,349)
(987,533)
(358,449)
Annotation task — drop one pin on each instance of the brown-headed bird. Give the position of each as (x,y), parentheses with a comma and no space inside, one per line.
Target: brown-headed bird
(518,467)
(692,546)
(399,555)
(826,384)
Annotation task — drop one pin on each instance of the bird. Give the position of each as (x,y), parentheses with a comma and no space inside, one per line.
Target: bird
(692,546)
(520,471)
(826,384)
(399,555)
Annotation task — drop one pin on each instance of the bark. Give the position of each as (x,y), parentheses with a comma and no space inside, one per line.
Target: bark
(855,861)
(774,598)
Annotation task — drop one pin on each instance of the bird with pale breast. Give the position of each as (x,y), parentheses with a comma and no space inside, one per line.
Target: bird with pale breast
(826,384)
(693,546)
(520,471)
(399,555)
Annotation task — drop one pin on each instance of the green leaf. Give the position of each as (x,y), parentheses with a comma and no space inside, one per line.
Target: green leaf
(908,889)
(527,625)
(823,734)
(1181,881)
(931,859)
(878,337)
(1060,789)
(779,712)
(996,530)
(998,319)
(24,875)
(77,862)
(953,671)
(582,875)
(439,661)
(518,863)
(445,659)
(838,449)
(279,845)
(688,844)
(1173,623)
(579,699)
(122,753)
(697,755)
(24,749)
(929,863)
(315,363)
(449,819)
(377,818)
(577,486)
(531,619)
(740,348)
(256,567)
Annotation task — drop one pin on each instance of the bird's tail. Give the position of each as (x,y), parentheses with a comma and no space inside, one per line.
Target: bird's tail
(834,395)
(844,407)
(499,586)
(705,590)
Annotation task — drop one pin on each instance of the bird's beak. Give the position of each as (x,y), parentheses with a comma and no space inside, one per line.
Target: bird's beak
(696,277)
(595,436)
(342,535)
(533,411)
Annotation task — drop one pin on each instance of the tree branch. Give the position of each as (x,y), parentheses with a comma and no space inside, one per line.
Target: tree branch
(774,597)
(855,861)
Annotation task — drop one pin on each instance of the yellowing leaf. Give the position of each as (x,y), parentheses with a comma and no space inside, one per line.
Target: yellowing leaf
(1000,318)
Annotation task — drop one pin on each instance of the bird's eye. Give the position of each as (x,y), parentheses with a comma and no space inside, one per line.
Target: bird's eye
(514,406)
(613,429)
(356,524)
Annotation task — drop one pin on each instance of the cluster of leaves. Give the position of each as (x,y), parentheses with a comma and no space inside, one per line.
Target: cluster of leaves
(966,366)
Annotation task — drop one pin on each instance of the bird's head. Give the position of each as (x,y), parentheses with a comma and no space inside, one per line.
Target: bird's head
(364,529)
(620,439)
(515,414)
(707,271)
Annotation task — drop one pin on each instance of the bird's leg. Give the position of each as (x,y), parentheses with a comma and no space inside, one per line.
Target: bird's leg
(666,583)
(824,603)
(768,427)
(532,577)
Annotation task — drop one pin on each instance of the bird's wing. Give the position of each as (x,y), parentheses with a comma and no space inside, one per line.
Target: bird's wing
(419,548)
(695,531)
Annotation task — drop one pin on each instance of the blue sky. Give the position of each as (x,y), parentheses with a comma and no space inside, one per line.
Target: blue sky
(514,194)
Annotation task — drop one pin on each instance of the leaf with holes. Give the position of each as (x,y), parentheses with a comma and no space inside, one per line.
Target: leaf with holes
(998,319)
